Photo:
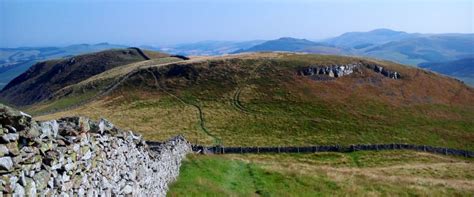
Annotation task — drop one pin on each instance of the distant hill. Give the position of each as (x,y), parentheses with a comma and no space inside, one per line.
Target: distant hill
(14,61)
(426,48)
(208,47)
(359,40)
(398,46)
(44,78)
(462,68)
(406,48)
(293,45)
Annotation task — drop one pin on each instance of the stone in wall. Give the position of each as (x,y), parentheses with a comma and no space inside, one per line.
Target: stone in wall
(77,156)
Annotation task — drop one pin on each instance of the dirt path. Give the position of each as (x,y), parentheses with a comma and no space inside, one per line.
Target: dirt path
(202,122)
(236,101)
(236,96)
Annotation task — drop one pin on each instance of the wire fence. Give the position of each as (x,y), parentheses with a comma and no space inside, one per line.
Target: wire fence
(325,148)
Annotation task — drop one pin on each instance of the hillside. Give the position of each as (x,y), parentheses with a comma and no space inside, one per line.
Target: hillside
(293,45)
(276,99)
(14,61)
(45,78)
(429,48)
(462,69)
(358,40)
(405,48)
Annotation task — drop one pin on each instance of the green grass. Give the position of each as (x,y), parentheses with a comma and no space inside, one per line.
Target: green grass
(354,174)
(63,103)
(282,109)
(214,176)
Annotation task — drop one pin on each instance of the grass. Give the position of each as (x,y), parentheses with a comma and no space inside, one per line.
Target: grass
(63,103)
(399,173)
(281,108)
(91,87)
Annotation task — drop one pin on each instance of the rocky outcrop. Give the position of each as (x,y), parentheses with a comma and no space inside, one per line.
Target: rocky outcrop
(78,156)
(335,71)
(385,72)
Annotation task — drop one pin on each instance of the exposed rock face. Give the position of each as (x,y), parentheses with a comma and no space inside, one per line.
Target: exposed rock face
(383,71)
(336,71)
(78,156)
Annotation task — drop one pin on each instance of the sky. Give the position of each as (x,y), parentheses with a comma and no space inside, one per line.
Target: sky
(164,22)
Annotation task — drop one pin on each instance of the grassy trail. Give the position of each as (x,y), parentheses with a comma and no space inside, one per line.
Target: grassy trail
(202,124)
(236,97)
(236,102)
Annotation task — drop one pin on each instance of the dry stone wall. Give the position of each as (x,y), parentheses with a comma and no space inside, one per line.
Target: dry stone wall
(80,157)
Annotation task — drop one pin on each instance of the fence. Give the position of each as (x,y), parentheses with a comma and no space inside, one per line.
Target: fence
(330,148)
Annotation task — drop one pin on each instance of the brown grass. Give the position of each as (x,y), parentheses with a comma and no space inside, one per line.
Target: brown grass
(423,171)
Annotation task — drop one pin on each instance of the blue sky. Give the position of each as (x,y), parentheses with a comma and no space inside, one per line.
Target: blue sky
(137,22)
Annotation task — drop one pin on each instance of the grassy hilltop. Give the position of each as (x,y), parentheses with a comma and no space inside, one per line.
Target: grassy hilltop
(259,99)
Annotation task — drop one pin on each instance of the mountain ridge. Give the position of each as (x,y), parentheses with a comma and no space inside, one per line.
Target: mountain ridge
(376,36)
(290,44)
(14,61)
(44,78)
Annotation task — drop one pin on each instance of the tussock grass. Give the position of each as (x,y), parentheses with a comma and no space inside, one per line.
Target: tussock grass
(399,173)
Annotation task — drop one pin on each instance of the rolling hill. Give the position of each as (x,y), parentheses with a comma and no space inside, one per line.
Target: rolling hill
(14,61)
(271,99)
(429,48)
(293,45)
(359,40)
(45,78)
(462,69)
(405,48)
(207,47)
